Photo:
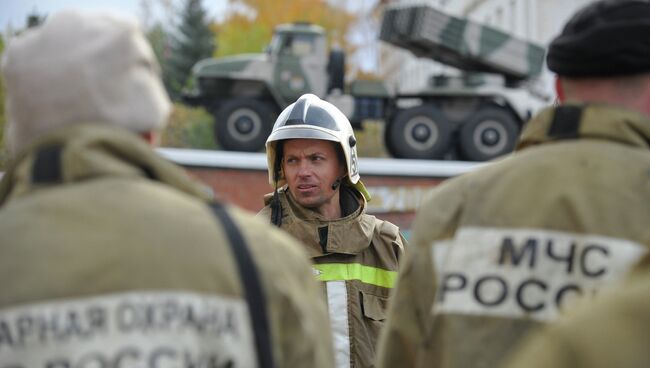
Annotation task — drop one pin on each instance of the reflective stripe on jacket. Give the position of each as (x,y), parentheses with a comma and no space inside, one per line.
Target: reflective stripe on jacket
(357,260)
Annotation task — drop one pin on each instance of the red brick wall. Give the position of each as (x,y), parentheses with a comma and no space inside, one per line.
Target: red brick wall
(246,189)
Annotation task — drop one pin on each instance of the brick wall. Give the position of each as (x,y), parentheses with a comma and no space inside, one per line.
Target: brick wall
(394,198)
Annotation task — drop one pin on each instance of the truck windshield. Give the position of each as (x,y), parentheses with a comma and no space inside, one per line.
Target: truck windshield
(295,44)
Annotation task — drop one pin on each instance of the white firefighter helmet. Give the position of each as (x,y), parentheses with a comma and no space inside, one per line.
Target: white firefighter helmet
(312,118)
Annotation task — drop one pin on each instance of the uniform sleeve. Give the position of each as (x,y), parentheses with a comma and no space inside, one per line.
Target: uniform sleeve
(402,245)
(391,234)
(406,329)
(407,314)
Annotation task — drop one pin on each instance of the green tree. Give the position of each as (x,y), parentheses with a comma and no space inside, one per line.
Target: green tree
(35,20)
(189,128)
(159,40)
(192,41)
(240,35)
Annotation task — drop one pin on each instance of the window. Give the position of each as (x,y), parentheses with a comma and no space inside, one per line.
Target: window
(297,44)
(303,45)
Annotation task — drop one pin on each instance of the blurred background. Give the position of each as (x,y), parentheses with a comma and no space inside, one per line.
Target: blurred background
(183,32)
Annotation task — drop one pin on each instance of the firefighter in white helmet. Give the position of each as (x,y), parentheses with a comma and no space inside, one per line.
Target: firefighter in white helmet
(320,199)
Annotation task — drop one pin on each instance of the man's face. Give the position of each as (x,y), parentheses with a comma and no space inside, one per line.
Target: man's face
(310,167)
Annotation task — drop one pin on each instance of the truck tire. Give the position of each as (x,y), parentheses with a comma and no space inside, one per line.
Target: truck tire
(243,124)
(420,132)
(490,133)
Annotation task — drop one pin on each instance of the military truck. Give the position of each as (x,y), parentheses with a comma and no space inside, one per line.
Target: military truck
(475,116)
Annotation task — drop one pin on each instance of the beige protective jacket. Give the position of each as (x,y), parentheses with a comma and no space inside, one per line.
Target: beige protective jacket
(506,247)
(611,332)
(357,259)
(110,256)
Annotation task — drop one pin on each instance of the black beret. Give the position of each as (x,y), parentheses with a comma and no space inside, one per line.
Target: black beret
(605,38)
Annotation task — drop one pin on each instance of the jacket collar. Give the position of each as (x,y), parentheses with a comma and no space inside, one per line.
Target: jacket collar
(350,234)
(84,152)
(598,121)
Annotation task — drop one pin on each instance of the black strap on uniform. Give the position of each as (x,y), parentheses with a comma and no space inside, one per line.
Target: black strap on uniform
(252,287)
(566,122)
(47,166)
(276,205)
(276,210)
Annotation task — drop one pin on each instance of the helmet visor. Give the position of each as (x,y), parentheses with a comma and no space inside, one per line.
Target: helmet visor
(302,132)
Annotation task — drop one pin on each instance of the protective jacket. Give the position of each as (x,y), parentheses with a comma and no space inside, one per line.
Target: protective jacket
(357,259)
(610,332)
(505,248)
(110,256)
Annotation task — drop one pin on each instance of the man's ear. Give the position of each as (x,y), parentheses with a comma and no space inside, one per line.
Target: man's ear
(559,90)
(343,169)
(151,137)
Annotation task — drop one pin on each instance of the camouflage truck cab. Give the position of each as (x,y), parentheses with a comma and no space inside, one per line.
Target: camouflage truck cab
(246,92)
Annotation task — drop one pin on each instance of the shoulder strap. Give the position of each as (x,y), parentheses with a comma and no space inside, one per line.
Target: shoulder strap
(276,209)
(566,122)
(252,288)
(47,165)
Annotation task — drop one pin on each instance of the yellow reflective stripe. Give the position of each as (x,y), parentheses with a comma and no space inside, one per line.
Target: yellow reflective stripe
(355,271)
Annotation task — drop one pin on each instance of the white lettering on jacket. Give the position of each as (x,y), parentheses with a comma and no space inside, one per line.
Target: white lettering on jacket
(525,273)
(135,329)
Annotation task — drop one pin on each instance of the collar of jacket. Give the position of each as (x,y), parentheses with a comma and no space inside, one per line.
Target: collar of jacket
(348,235)
(597,121)
(88,151)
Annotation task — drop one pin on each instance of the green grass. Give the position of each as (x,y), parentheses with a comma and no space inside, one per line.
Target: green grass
(370,140)
(189,128)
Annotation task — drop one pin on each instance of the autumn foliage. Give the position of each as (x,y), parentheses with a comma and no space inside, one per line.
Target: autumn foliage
(249,24)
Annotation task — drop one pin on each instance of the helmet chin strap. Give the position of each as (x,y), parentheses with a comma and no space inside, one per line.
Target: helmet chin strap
(276,206)
(276,209)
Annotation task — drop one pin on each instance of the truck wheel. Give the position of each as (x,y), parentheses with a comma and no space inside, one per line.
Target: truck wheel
(419,132)
(243,124)
(491,132)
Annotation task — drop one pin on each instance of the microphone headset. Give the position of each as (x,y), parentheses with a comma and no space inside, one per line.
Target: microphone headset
(337,182)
